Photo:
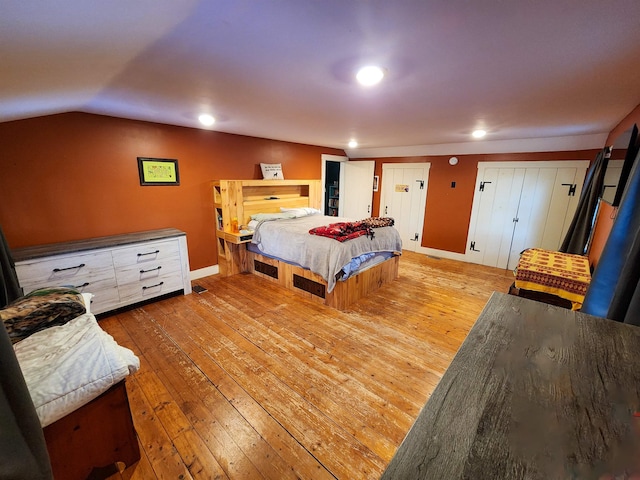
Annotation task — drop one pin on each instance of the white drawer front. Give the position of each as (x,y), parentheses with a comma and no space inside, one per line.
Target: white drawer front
(143,290)
(148,272)
(146,254)
(105,298)
(68,270)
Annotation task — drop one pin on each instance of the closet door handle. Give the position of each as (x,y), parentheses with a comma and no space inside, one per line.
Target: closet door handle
(572,188)
(56,270)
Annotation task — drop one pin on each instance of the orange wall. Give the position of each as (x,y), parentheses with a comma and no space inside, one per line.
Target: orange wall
(448,210)
(75,175)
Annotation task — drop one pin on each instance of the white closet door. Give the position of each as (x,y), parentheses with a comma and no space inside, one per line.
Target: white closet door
(511,182)
(356,192)
(519,205)
(498,194)
(564,200)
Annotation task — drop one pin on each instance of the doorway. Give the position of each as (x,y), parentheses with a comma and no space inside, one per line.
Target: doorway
(348,187)
(332,188)
(404,197)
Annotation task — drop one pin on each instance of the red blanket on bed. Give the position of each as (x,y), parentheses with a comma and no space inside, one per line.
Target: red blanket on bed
(343,231)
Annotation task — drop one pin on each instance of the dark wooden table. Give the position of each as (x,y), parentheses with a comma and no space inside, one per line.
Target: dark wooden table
(535,392)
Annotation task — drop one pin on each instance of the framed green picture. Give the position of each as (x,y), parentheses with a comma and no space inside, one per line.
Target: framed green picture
(158,171)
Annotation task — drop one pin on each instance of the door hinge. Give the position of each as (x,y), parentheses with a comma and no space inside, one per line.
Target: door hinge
(482,186)
(572,189)
(421,184)
(473,247)
(415,238)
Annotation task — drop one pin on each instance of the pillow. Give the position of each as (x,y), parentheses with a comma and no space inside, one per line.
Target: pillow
(40,309)
(265,217)
(252,224)
(301,211)
(271,171)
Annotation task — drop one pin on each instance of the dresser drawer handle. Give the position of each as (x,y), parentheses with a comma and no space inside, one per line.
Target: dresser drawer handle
(56,270)
(151,269)
(149,253)
(85,284)
(152,286)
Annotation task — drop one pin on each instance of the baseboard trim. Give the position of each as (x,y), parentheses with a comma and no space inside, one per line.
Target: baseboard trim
(443,254)
(204,272)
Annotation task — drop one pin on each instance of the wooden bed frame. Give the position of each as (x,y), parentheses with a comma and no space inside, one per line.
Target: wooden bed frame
(314,287)
(89,441)
(240,199)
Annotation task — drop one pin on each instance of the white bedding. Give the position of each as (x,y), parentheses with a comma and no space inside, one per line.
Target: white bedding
(67,366)
(289,240)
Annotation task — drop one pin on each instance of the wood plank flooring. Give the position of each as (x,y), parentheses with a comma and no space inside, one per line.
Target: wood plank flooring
(249,380)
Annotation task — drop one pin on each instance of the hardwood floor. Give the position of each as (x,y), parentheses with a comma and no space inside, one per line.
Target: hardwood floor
(249,380)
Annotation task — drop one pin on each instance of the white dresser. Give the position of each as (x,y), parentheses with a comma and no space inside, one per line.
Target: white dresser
(119,270)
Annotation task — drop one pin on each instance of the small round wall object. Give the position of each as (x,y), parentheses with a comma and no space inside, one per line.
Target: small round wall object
(453,161)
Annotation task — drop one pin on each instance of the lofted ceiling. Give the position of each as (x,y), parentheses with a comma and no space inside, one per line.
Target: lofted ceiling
(284,69)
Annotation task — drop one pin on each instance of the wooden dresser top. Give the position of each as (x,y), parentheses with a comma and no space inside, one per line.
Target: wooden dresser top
(39,251)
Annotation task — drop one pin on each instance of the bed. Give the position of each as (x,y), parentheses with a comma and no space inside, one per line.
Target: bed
(331,271)
(237,201)
(75,373)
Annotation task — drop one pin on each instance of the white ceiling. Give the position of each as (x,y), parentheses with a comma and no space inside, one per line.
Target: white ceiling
(283,69)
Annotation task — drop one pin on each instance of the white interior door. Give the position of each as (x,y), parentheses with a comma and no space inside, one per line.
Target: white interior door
(356,189)
(519,205)
(403,197)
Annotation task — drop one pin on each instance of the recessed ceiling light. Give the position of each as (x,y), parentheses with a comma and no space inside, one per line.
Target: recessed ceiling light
(206,119)
(369,75)
(353,144)
(479,133)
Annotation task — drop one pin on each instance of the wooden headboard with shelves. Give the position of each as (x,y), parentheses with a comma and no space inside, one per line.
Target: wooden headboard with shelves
(242,198)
